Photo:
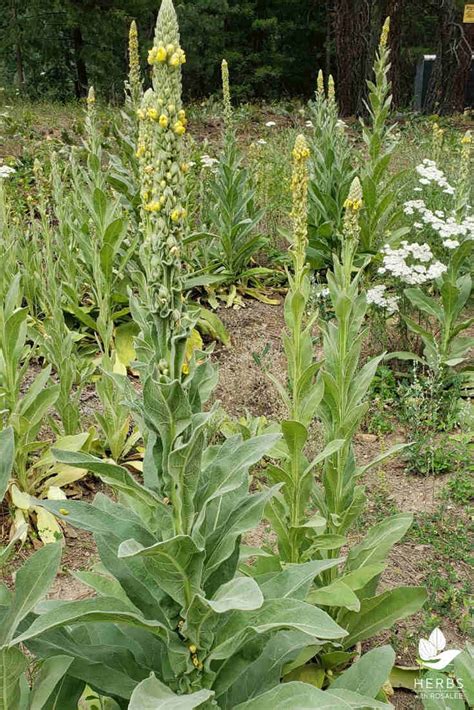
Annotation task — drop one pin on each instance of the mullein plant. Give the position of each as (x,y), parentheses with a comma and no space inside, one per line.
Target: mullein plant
(380,188)
(170,547)
(331,173)
(302,394)
(312,520)
(103,248)
(232,218)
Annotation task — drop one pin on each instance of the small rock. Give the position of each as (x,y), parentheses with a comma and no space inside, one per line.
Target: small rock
(370,438)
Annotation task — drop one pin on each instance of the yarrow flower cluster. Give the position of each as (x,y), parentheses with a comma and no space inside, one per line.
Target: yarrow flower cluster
(207,161)
(430,173)
(411,263)
(450,230)
(378,297)
(6,171)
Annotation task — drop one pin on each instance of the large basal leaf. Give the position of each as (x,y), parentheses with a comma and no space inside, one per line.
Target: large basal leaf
(367,675)
(90,610)
(114,673)
(301,696)
(273,615)
(241,593)
(335,594)
(221,544)
(381,612)
(464,671)
(118,478)
(135,578)
(295,580)
(32,582)
(355,701)
(52,670)
(240,678)
(7,455)
(177,565)
(229,465)
(12,664)
(98,521)
(439,694)
(152,694)
(379,541)
(184,469)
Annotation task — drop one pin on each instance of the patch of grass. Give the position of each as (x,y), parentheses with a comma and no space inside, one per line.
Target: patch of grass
(460,488)
(447,583)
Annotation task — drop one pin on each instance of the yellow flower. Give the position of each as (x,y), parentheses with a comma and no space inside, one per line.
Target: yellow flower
(182,115)
(181,55)
(179,128)
(163,121)
(161,54)
(152,113)
(176,215)
(185,371)
(157,55)
(352,205)
(300,151)
(467,138)
(184,167)
(174,60)
(154,206)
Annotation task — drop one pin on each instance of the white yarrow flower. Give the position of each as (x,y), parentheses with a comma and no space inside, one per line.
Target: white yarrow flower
(6,171)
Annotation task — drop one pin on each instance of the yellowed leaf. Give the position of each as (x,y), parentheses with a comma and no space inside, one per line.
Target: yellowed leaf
(66,475)
(47,526)
(19,498)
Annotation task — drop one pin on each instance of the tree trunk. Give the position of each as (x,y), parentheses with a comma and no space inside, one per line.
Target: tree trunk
(20,71)
(81,82)
(352,30)
(447,89)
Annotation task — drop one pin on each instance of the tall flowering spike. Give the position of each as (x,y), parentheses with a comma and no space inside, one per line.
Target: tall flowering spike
(438,140)
(134,77)
(352,206)
(162,126)
(226,94)
(320,92)
(91,96)
(465,167)
(463,191)
(331,89)
(299,189)
(384,35)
